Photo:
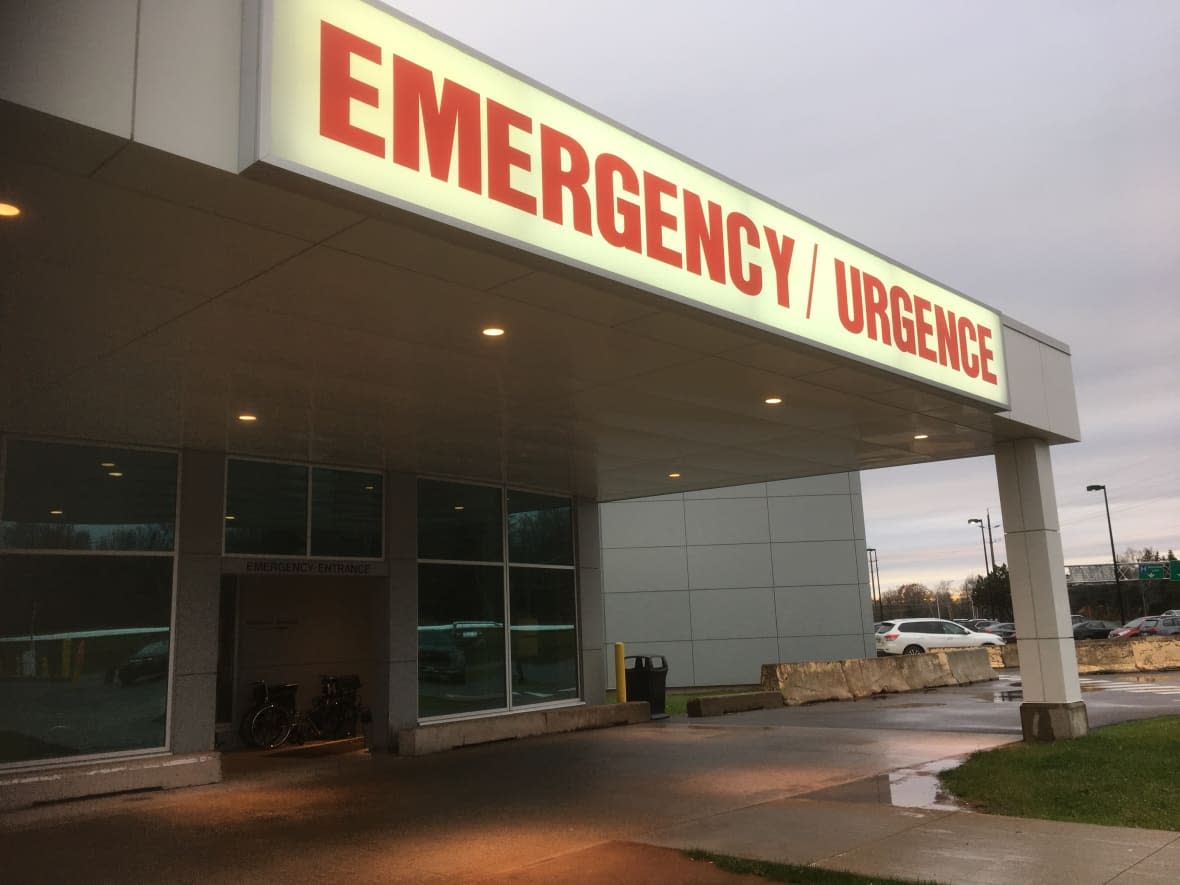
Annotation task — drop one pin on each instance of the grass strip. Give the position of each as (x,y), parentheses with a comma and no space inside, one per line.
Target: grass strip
(792,873)
(1122,775)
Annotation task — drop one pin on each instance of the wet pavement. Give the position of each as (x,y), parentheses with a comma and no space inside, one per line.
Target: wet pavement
(842,785)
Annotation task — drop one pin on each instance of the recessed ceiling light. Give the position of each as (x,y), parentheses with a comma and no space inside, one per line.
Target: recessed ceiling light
(229,517)
(7,210)
(773,400)
(115,473)
(460,507)
(55,512)
(369,488)
(246,417)
(673,476)
(921,436)
(106,464)
(493,331)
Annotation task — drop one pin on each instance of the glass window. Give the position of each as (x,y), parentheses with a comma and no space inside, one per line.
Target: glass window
(345,513)
(460,639)
(459,522)
(59,496)
(544,635)
(266,509)
(539,529)
(84,649)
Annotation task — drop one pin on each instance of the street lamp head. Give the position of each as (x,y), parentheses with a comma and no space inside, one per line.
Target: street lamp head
(870,550)
(978,522)
(1095,488)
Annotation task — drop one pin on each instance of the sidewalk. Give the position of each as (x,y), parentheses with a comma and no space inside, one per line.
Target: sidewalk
(603,806)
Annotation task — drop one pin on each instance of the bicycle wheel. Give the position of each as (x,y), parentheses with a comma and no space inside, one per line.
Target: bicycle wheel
(270,726)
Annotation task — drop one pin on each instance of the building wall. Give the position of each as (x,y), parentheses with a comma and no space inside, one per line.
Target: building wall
(724,580)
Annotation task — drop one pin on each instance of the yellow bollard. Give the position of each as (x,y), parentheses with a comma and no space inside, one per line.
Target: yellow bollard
(620,674)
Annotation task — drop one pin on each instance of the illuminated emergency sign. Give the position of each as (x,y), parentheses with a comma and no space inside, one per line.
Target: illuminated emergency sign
(361,98)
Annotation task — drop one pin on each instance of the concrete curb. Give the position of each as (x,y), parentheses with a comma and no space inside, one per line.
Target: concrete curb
(805,683)
(30,786)
(740,702)
(437,737)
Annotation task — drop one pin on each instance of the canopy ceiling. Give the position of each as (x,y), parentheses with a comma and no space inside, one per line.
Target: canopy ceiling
(147,299)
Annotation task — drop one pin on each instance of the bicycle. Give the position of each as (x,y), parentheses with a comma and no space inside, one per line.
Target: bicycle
(270,721)
(334,713)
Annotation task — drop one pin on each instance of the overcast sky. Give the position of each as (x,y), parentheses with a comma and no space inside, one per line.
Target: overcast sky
(1024,153)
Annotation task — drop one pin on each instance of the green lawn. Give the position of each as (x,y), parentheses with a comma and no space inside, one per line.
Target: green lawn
(1122,775)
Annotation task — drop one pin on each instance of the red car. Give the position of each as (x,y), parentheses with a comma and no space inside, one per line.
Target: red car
(1129,629)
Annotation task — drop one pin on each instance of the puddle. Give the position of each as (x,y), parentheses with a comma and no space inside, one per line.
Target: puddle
(905,788)
(1008,695)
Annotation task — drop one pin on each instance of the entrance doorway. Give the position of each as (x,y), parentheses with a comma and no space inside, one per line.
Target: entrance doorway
(293,629)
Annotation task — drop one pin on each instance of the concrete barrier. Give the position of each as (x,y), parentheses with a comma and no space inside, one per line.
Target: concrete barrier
(739,702)
(1147,655)
(437,737)
(812,681)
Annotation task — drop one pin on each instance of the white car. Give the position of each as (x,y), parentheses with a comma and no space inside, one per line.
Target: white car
(915,636)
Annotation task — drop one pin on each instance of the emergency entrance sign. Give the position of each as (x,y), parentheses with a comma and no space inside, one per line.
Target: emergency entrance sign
(357,96)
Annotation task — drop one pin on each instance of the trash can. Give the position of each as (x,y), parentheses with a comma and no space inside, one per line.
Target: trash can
(647,678)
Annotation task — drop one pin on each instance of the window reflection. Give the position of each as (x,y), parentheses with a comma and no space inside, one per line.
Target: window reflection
(544,635)
(459,522)
(266,508)
(61,496)
(460,639)
(539,529)
(84,650)
(345,513)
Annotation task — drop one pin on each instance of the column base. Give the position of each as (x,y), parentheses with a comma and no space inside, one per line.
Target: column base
(1054,722)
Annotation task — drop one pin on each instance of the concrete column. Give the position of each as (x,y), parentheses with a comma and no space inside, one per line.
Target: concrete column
(1052,707)
(394,699)
(198,596)
(590,626)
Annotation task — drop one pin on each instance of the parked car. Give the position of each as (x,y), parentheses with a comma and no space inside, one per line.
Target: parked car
(1160,626)
(1093,629)
(980,625)
(1172,611)
(1128,630)
(914,636)
(1006,630)
(150,662)
(1077,619)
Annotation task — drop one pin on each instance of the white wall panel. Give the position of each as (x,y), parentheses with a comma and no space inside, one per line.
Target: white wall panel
(643,524)
(727,521)
(793,649)
(731,661)
(648,617)
(189,74)
(819,611)
(644,568)
(732,614)
(811,518)
(831,484)
(807,563)
(729,565)
(725,580)
(71,58)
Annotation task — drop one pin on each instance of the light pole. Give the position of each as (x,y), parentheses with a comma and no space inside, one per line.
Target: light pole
(990,542)
(875,571)
(1114,559)
(982,540)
